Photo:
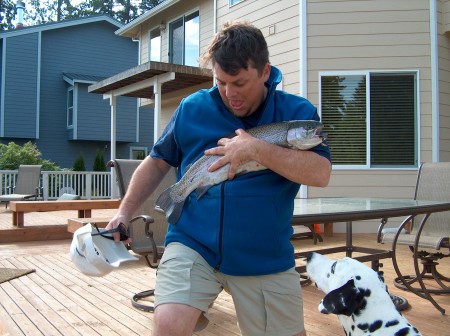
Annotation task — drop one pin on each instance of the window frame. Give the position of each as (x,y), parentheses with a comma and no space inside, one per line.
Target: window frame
(232,3)
(137,149)
(171,36)
(417,129)
(70,109)
(152,31)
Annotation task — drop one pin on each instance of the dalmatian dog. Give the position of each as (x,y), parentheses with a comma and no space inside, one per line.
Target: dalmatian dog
(358,296)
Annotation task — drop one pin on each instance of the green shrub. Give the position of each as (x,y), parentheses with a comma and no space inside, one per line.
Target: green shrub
(140,155)
(99,162)
(12,156)
(79,165)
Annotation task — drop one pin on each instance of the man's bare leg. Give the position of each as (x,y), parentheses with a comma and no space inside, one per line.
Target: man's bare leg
(175,319)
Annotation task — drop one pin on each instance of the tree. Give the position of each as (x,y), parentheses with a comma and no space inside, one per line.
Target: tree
(99,162)
(79,165)
(7,13)
(146,5)
(46,11)
(13,155)
(128,11)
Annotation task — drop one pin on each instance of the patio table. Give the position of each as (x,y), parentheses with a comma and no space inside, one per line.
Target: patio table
(350,209)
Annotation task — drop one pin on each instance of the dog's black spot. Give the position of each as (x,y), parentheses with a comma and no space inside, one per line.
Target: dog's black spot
(371,327)
(363,326)
(358,277)
(375,325)
(403,332)
(391,323)
(333,267)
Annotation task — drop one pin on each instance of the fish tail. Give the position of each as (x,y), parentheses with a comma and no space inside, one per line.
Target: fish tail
(171,208)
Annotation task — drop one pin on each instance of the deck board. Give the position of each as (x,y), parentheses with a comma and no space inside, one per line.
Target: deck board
(59,300)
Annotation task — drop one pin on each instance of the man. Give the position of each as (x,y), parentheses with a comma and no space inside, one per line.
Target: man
(237,236)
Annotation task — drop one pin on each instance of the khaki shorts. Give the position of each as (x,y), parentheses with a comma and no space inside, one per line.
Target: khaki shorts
(265,305)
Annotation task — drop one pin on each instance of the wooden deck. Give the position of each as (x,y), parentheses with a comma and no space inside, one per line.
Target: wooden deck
(57,299)
(41,225)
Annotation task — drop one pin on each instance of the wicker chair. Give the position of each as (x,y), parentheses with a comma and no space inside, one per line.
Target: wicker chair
(149,227)
(428,238)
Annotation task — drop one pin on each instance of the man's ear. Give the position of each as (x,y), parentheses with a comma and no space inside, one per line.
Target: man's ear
(343,301)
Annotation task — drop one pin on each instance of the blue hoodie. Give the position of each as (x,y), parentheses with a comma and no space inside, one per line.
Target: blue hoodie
(240,226)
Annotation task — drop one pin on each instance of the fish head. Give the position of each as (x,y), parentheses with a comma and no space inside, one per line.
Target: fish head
(305,134)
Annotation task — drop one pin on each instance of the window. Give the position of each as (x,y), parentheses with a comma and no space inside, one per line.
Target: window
(234,2)
(70,107)
(371,119)
(138,153)
(184,35)
(155,45)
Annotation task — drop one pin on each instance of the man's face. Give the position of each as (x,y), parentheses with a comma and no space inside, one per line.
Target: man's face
(244,92)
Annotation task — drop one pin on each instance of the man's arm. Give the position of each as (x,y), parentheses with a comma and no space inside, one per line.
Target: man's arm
(144,181)
(304,167)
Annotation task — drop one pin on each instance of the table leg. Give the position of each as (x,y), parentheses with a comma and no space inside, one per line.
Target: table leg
(18,218)
(328,229)
(349,239)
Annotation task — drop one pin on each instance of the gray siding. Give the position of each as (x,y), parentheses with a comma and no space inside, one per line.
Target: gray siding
(90,49)
(21,75)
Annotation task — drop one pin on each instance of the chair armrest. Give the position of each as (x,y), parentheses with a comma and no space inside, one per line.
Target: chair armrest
(380,229)
(154,261)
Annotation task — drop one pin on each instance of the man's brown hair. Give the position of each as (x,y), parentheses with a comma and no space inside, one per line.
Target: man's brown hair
(238,45)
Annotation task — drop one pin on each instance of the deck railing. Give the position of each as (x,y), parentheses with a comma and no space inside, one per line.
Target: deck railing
(89,185)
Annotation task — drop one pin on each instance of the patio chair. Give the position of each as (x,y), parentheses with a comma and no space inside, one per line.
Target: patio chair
(428,238)
(149,227)
(26,186)
(68,197)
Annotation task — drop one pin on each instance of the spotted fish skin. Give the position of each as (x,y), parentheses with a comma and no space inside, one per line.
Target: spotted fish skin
(299,134)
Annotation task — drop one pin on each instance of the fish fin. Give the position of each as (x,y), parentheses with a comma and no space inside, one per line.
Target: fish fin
(171,209)
(202,190)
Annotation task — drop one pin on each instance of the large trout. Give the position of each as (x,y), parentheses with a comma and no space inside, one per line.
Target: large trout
(299,134)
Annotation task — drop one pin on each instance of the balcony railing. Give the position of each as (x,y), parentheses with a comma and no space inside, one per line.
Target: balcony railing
(89,185)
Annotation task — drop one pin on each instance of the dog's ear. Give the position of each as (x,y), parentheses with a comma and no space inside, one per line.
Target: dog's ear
(345,300)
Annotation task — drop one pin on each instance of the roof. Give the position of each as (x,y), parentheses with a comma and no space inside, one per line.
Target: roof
(185,77)
(132,28)
(72,78)
(59,25)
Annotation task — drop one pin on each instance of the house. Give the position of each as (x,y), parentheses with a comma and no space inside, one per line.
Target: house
(378,72)
(45,72)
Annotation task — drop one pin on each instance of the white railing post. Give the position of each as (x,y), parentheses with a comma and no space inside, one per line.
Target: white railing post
(2,176)
(45,184)
(88,186)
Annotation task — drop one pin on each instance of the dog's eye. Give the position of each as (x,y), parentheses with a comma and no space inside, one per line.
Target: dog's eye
(333,267)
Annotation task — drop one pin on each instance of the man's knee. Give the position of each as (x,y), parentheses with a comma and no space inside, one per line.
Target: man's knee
(175,319)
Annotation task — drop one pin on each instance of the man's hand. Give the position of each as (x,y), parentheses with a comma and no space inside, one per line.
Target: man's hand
(117,219)
(235,151)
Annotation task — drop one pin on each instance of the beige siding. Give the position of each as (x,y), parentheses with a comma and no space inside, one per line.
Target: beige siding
(444,79)
(381,35)
(369,183)
(179,9)
(284,44)
(205,7)
(445,14)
